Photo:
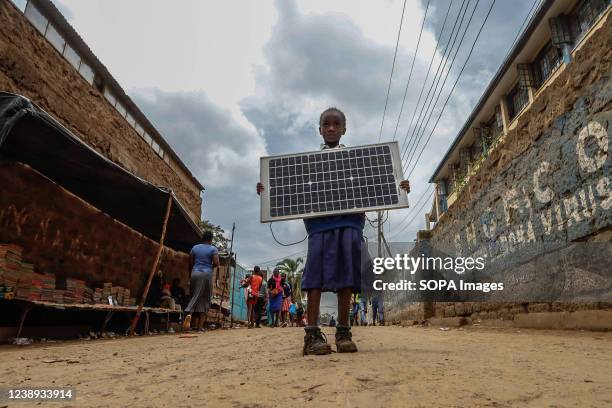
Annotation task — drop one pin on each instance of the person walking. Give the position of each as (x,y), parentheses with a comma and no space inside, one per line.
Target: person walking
(260,306)
(275,294)
(253,294)
(202,259)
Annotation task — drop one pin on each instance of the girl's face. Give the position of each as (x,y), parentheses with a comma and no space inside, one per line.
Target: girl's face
(332,127)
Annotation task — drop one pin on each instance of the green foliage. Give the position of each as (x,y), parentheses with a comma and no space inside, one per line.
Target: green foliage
(294,271)
(219,239)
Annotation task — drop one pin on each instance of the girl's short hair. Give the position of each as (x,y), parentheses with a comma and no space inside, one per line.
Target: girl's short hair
(207,236)
(333,109)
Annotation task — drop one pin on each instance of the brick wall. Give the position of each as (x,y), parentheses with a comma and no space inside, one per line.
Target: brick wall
(31,67)
(62,234)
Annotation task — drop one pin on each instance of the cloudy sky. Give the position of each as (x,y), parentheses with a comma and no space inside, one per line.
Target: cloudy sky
(228,81)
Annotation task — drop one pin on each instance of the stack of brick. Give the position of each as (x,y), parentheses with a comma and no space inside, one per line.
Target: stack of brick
(75,290)
(10,264)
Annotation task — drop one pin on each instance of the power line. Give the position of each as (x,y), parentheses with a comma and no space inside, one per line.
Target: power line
(454,85)
(412,67)
(520,30)
(444,52)
(419,128)
(399,32)
(450,3)
(415,215)
(269,261)
(415,205)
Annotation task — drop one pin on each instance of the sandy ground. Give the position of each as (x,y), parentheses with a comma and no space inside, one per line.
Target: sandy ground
(404,367)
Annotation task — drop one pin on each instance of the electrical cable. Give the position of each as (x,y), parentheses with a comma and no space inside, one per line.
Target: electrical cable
(423,128)
(291,244)
(415,205)
(269,261)
(436,94)
(399,32)
(414,217)
(440,35)
(411,69)
(453,88)
(452,38)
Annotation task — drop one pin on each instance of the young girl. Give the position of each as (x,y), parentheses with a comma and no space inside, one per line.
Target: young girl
(333,263)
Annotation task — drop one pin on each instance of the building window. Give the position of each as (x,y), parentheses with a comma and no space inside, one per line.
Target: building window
(20,4)
(109,97)
(546,62)
(86,72)
(517,99)
(584,15)
(55,38)
(72,57)
(36,18)
(147,138)
(139,130)
(121,109)
(130,119)
(442,194)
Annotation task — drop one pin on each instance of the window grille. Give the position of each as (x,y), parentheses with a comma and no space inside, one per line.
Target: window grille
(546,62)
(526,76)
(587,13)
(517,99)
(560,31)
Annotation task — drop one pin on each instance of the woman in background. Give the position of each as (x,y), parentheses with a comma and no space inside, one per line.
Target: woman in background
(202,259)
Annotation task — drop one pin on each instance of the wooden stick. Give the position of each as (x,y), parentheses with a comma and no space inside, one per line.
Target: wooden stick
(229,269)
(154,267)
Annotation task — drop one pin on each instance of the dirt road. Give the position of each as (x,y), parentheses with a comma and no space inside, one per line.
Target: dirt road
(404,367)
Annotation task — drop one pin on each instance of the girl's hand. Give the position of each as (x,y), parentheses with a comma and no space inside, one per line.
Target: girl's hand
(260,188)
(404,185)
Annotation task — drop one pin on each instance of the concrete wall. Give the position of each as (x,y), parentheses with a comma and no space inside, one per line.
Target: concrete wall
(62,234)
(546,185)
(31,67)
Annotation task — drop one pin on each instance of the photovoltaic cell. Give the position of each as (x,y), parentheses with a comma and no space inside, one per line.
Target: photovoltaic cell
(332,181)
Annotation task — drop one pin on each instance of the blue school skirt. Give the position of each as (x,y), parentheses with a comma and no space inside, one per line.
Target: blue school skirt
(334,260)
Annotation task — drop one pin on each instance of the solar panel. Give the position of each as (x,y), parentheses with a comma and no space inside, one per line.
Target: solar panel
(332,181)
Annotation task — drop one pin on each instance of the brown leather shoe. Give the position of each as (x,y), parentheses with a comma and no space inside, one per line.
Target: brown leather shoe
(344,340)
(315,342)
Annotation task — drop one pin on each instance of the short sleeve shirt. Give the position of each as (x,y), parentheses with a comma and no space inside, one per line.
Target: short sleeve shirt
(203,254)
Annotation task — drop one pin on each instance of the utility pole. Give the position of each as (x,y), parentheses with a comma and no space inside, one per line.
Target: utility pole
(225,283)
(233,276)
(379,235)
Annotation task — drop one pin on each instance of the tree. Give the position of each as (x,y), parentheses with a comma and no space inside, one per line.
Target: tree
(219,239)
(294,275)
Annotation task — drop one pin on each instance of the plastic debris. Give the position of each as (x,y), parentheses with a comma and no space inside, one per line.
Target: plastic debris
(22,341)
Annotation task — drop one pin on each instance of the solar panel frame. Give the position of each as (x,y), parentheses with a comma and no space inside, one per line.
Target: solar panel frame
(326,174)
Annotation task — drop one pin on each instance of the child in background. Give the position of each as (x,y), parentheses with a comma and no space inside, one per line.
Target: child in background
(292,312)
(334,255)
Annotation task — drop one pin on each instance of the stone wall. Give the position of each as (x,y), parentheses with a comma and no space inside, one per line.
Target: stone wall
(31,67)
(546,185)
(62,234)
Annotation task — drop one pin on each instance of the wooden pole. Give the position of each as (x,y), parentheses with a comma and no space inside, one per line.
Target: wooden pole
(233,281)
(229,269)
(154,267)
